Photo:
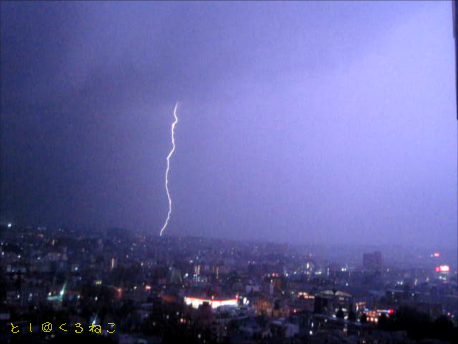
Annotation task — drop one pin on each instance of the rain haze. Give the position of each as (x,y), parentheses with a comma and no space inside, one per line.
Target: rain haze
(298,122)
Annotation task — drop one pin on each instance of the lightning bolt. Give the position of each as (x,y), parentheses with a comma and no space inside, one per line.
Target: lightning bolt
(168,169)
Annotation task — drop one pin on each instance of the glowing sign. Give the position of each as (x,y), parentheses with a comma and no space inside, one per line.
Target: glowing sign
(196,302)
(443,268)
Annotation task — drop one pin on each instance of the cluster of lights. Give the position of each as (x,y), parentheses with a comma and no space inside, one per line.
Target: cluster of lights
(305,295)
(443,268)
(197,302)
(373,316)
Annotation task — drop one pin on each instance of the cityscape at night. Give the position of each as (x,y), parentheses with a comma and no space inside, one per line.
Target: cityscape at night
(228,172)
(190,289)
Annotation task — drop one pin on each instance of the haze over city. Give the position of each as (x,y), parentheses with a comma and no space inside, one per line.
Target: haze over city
(314,122)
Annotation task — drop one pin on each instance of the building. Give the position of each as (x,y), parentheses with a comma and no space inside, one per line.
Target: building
(372,261)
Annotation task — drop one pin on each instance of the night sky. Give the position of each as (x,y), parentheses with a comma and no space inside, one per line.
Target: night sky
(298,122)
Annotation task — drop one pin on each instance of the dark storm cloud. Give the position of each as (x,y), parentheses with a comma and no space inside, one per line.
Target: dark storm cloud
(299,121)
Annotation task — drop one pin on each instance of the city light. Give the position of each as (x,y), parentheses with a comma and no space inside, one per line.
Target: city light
(443,268)
(197,302)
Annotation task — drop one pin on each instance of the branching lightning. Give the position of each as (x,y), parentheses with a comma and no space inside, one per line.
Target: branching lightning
(168,169)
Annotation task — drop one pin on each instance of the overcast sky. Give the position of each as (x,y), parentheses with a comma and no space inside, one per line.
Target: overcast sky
(298,122)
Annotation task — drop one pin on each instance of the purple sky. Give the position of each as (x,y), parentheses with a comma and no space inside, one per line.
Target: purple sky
(299,122)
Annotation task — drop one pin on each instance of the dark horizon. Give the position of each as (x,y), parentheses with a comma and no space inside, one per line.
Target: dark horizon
(451,248)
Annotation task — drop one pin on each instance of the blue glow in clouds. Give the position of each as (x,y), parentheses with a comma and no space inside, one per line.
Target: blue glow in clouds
(168,168)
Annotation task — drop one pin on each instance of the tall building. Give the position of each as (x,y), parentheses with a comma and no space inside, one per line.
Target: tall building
(372,261)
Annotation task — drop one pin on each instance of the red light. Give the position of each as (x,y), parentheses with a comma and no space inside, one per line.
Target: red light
(437,254)
(443,268)
(147,287)
(390,311)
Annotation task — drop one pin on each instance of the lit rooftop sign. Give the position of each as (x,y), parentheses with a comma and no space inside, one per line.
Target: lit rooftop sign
(195,302)
(443,268)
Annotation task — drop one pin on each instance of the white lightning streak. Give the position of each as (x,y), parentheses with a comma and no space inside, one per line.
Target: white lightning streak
(168,168)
